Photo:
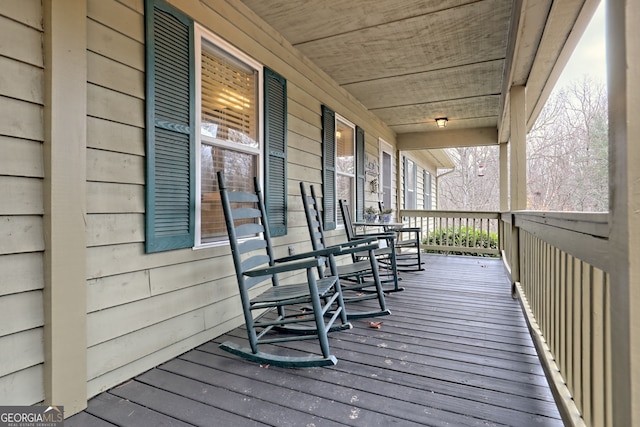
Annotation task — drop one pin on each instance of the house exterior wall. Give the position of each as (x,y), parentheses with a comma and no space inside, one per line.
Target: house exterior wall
(21,210)
(142,309)
(423,163)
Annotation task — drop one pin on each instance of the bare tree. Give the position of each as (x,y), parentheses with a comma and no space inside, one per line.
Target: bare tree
(468,187)
(567,150)
(567,162)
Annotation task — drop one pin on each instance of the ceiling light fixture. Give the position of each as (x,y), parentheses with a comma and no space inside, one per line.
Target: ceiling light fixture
(441,122)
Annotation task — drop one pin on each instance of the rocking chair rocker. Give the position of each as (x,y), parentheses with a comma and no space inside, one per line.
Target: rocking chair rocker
(255,264)
(360,279)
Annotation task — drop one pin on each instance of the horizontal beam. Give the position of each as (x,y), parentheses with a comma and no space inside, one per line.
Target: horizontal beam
(444,138)
(593,223)
(428,213)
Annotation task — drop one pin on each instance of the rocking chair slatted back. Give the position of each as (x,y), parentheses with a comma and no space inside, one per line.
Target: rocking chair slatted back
(278,307)
(386,254)
(408,248)
(360,278)
(314,218)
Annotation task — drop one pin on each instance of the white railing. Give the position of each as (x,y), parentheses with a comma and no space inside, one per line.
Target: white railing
(456,232)
(560,262)
(559,266)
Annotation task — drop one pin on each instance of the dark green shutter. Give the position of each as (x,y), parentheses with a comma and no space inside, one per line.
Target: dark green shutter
(275,139)
(170,102)
(360,175)
(329,167)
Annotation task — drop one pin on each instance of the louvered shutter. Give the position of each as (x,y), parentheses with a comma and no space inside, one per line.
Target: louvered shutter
(360,175)
(170,97)
(275,139)
(329,167)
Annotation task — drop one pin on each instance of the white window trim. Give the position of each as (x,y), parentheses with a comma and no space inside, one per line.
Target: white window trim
(414,190)
(352,125)
(430,187)
(384,146)
(200,33)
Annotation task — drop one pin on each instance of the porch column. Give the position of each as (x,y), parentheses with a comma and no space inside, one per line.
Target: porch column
(518,157)
(623,61)
(65,115)
(399,184)
(504,177)
(518,171)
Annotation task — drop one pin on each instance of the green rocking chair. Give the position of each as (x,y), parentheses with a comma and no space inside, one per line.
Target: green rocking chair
(408,252)
(386,254)
(360,279)
(283,314)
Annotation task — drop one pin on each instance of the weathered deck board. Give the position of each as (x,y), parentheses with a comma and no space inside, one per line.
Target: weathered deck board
(455,351)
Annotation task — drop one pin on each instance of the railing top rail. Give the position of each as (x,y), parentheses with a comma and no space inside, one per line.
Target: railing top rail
(591,223)
(449,213)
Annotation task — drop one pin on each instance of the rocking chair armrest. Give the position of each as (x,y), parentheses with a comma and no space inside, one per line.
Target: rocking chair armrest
(359,248)
(332,250)
(281,268)
(383,235)
(358,241)
(407,230)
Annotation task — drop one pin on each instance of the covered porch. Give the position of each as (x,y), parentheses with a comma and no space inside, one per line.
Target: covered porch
(456,350)
(84,307)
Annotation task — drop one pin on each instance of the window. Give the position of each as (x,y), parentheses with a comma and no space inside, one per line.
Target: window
(229,139)
(386,162)
(209,108)
(345,162)
(410,201)
(343,175)
(426,179)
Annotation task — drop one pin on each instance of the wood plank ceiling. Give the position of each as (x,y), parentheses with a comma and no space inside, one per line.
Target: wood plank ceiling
(411,61)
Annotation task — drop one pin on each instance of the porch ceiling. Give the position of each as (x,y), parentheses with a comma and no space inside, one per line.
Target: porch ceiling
(410,61)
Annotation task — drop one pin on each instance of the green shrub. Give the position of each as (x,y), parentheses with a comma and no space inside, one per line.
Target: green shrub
(457,236)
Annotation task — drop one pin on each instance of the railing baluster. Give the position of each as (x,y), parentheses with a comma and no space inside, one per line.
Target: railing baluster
(570,324)
(598,333)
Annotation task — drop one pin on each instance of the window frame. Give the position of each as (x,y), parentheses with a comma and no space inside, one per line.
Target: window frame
(386,173)
(414,189)
(170,135)
(427,202)
(338,173)
(201,33)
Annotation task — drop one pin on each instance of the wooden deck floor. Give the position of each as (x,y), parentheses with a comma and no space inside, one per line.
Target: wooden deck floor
(455,351)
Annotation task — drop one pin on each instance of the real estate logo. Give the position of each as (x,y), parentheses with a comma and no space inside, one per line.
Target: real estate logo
(31,416)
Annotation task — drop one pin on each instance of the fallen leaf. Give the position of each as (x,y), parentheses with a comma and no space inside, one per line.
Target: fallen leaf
(375,325)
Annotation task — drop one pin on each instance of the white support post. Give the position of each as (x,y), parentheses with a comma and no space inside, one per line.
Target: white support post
(504,177)
(65,118)
(518,160)
(623,62)
(518,170)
